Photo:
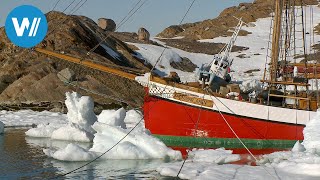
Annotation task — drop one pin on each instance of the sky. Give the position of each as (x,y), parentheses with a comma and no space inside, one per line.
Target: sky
(154,15)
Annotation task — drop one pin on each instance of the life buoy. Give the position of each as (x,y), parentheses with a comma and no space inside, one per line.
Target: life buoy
(236,96)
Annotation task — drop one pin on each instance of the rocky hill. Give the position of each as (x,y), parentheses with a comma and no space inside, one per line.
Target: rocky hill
(221,25)
(29,77)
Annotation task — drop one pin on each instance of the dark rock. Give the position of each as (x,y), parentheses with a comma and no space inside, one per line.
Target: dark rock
(184,65)
(143,34)
(33,76)
(198,47)
(170,32)
(66,75)
(107,24)
(252,70)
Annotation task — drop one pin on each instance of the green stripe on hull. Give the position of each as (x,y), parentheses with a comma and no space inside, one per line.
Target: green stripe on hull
(230,143)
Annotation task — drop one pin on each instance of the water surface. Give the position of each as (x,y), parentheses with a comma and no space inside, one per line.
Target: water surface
(22,157)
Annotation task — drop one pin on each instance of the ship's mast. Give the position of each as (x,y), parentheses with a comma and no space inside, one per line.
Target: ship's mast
(276,40)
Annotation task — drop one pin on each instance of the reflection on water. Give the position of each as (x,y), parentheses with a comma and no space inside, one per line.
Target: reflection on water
(20,160)
(22,157)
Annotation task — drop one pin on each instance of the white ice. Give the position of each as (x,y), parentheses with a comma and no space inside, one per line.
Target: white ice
(80,118)
(71,152)
(302,162)
(113,117)
(104,131)
(217,156)
(311,134)
(29,118)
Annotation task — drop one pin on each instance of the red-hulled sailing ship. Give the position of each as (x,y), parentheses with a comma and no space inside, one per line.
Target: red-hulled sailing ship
(215,113)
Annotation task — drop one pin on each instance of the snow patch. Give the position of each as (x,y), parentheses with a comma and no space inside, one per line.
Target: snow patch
(250,85)
(111,52)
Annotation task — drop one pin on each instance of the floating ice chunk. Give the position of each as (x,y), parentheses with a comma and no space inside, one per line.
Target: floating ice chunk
(29,118)
(218,156)
(132,118)
(1,127)
(80,110)
(137,144)
(72,152)
(312,134)
(298,147)
(80,118)
(113,117)
(72,133)
(43,130)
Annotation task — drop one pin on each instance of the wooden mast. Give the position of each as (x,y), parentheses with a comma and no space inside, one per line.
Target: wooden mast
(276,34)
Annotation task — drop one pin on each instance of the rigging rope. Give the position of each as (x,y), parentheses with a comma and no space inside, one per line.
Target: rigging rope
(166,47)
(56,5)
(194,136)
(132,128)
(68,5)
(236,135)
(71,12)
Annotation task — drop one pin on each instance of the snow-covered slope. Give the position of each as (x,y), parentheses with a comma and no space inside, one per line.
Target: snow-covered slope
(257,41)
(151,54)
(254,58)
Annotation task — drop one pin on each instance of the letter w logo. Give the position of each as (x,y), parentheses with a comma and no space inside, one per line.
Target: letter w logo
(25,25)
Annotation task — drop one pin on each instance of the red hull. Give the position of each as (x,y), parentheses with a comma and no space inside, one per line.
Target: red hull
(172,119)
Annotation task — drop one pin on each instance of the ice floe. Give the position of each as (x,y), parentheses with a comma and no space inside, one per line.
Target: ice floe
(28,118)
(311,134)
(80,118)
(105,130)
(71,152)
(302,162)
